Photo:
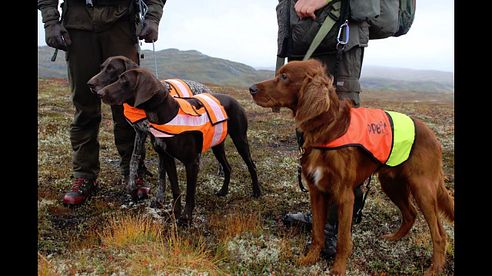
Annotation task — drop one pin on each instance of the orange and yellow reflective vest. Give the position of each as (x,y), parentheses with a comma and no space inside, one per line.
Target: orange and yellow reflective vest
(386,135)
(177,88)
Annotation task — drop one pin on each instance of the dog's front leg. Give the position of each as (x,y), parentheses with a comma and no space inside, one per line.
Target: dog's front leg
(159,200)
(319,212)
(137,155)
(191,177)
(170,167)
(344,241)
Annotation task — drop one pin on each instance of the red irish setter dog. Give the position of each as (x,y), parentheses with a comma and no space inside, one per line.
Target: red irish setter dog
(305,88)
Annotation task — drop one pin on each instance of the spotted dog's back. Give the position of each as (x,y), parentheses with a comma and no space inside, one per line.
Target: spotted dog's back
(198,88)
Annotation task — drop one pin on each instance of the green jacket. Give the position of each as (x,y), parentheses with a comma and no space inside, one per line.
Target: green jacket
(76,15)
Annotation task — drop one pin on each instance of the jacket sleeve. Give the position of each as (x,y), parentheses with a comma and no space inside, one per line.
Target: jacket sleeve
(154,12)
(49,10)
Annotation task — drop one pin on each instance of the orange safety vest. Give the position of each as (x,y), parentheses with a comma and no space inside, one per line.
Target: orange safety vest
(374,131)
(210,120)
(177,88)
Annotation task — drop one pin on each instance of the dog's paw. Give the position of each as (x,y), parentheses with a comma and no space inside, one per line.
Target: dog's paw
(339,267)
(433,270)
(306,260)
(337,271)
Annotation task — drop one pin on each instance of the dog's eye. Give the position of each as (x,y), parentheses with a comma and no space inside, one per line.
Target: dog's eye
(283,76)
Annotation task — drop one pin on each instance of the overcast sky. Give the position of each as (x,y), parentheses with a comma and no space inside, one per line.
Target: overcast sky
(246,32)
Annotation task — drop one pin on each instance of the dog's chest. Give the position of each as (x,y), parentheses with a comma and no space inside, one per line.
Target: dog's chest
(314,172)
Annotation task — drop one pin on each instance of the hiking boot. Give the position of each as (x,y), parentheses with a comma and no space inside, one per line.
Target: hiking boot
(330,249)
(304,220)
(141,191)
(82,189)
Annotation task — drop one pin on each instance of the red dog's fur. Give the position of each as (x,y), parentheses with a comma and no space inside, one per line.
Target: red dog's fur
(304,87)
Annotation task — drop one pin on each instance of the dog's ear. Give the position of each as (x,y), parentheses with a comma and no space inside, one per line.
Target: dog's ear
(147,85)
(128,63)
(314,96)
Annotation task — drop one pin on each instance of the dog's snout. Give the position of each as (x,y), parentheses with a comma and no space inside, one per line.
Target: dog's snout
(92,86)
(253,89)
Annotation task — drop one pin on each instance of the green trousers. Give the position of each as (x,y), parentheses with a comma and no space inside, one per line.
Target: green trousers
(348,71)
(84,57)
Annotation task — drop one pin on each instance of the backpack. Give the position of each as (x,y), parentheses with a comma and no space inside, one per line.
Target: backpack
(386,18)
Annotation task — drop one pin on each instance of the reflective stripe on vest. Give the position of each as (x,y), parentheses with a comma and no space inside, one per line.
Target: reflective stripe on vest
(213,134)
(213,107)
(180,88)
(177,88)
(387,136)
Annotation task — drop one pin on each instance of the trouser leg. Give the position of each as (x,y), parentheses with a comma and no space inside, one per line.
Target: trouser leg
(83,59)
(120,39)
(348,70)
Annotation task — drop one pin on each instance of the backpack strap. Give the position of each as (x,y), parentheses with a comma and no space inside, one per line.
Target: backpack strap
(322,32)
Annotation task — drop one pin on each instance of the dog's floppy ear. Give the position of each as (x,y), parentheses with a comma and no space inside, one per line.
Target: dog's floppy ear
(314,96)
(128,63)
(147,85)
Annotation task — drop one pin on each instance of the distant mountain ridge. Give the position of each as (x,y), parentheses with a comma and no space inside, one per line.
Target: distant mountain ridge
(193,65)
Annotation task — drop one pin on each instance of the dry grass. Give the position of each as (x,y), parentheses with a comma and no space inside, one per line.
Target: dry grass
(234,224)
(151,248)
(45,268)
(234,234)
(125,230)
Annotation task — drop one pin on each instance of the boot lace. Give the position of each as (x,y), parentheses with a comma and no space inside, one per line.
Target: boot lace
(79,184)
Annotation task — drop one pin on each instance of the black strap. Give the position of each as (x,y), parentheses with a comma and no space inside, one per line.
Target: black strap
(300,143)
(358,215)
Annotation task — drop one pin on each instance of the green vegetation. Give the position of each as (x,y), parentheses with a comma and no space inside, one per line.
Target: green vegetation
(235,234)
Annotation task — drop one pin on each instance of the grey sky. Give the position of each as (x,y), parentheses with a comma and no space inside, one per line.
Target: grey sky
(246,32)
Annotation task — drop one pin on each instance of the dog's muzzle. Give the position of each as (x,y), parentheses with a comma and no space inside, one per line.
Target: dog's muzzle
(253,89)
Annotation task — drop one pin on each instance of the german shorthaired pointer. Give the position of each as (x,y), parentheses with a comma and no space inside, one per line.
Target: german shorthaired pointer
(140,89)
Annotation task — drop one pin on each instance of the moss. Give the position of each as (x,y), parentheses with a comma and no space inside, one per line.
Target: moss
(67,235)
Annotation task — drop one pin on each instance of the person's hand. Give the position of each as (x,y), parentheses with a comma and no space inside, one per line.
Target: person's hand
(306,8)
(56,35)
(149,32)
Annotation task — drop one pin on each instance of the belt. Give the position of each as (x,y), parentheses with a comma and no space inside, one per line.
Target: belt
(99,3)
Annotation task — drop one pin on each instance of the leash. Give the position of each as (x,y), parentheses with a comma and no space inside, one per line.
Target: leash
(155,60)
(358,215)
(142,12)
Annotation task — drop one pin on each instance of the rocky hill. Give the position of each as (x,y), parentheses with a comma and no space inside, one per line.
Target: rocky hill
(174,63)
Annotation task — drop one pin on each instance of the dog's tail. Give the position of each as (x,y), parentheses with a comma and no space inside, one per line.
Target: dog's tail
(444,200)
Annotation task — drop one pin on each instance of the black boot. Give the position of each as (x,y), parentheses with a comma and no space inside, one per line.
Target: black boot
(330,249)
(300,219)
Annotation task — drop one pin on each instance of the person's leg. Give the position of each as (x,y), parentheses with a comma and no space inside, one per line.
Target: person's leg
(83,58)
(120,39)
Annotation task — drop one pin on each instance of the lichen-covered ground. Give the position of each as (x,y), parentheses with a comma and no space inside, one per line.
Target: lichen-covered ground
(236,234)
